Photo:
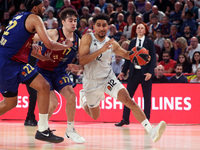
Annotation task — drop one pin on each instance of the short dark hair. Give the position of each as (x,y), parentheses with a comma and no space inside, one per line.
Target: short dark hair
(68,11)
(29,4)
(101,16)
(178,64)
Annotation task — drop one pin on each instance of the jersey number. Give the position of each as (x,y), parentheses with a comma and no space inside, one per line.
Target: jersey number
(11,25)
(28,68)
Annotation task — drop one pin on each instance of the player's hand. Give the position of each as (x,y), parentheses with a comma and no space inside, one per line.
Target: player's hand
(68,43)
(148,76)
(107,45)
(47,56)
(120,76)
(149,58)
(36,48)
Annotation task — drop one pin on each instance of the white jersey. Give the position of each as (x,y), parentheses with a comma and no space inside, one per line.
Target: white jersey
(100,67)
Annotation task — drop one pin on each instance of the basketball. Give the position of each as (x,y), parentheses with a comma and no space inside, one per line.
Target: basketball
(139,55)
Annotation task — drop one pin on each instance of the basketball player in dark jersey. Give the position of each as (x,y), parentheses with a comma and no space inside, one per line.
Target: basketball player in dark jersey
(55,72)
(15,49)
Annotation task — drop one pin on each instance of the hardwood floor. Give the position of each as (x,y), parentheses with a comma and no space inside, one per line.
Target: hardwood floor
(100,136)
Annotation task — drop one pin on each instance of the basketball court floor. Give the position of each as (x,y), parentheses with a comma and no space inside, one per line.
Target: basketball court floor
(100,136)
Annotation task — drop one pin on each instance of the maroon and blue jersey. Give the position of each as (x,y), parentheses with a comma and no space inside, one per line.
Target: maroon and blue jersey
(16,40)
(62,57)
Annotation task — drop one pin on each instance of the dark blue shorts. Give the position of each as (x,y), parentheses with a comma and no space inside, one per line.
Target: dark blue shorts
(13,73)
(57,80)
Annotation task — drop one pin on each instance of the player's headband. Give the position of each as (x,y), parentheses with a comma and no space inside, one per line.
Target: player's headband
(30,5)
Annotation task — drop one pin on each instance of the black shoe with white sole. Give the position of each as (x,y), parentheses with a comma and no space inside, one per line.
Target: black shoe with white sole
(48,136)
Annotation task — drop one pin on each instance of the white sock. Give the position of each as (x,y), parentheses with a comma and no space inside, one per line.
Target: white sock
(146,124)
(43,122)
(70,125)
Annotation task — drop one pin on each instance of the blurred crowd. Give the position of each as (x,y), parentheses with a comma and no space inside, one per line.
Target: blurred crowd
(173,25)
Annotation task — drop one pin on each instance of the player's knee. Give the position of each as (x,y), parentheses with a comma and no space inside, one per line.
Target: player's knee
(45,86)
(71,98)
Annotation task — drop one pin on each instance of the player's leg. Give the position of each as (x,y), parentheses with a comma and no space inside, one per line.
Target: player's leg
(156,132)
(43,94)
(53,103)
(70,97)
(90,105)
(7,104)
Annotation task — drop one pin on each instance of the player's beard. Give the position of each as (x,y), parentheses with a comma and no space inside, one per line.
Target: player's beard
(101,35)
(40,14)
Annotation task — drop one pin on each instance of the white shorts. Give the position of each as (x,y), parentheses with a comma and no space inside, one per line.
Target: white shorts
(94,89)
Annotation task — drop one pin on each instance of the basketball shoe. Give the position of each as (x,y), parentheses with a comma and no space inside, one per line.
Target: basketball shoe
(48,136)
(157,132)
(73,135)
(82,98)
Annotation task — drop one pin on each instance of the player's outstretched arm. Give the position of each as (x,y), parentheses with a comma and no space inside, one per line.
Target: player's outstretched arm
(85,56)
(117,49)
(35,22)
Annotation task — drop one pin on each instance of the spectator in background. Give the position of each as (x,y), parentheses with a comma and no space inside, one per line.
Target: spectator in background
(83,26)
(55,24)
(168,46)
(114,33)
(128,28)
(110,11)
(67,4)
(22,7)
(85,12)
(131,10)
(187,34)
(158,13)
(175,17)
(50,19)
(197,79)
(97,10)
(180,47)
(187,67)
(119,9)
(140,5)
(159,76)
(147,12)
(156,25)
(179,77)
(193,47)
(139,20)
(103,5)
(167,63)
(122,39)
(173,33)
(47,9)
(159,39)
(90,26)
(165,27)
(189,6)
(120,22)
(117,64)
(89,5)
(6,18)
(189,21)
(170,7)
(195,61)
(198,33)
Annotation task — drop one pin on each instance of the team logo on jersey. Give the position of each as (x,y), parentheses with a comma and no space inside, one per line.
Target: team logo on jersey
(61,82)
(24,73)
(111,84)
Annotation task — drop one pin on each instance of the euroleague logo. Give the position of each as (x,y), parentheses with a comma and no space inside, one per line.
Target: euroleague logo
(59,98)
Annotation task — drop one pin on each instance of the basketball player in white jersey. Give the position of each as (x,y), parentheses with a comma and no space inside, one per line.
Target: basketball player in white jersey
(95,56)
